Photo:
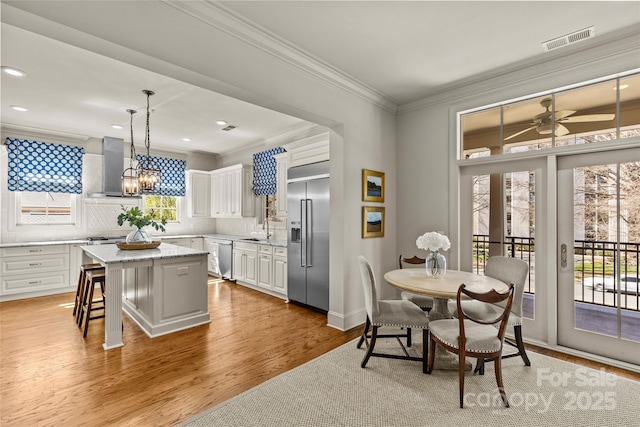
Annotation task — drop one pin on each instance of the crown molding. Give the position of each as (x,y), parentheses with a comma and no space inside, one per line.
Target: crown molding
(224,19)
(617,52)
(39,134)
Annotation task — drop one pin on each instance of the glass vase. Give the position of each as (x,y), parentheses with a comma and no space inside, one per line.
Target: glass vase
(436,264)
(138,236)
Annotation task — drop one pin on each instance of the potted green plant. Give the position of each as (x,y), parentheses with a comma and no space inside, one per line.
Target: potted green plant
(136,218)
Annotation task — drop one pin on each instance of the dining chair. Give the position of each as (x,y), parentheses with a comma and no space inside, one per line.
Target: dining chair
(473,337)
(422,301)
(389,313)
(508,270)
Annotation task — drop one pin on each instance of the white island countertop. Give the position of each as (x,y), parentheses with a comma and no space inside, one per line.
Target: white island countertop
(110,253)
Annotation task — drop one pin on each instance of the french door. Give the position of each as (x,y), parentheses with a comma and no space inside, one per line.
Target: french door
(598,211)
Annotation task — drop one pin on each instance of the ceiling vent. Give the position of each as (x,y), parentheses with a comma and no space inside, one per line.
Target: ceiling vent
(228,128)
(568,39)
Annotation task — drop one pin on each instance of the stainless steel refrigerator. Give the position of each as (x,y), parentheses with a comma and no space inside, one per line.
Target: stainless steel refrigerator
(308,235)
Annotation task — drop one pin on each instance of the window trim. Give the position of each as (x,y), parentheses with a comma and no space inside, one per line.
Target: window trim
(15,205)
(179,213)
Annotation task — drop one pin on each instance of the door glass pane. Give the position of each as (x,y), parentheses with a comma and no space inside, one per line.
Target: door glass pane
(504,224)
(607,241)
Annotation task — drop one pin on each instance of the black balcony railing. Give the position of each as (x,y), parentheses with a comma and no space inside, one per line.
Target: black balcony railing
(595,271)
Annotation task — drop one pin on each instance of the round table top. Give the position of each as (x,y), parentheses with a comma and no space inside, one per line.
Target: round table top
(417,281)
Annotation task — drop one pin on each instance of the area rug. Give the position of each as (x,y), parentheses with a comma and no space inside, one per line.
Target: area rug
(333,390)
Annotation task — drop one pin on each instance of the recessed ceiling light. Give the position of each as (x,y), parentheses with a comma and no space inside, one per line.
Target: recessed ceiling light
(221,122)
(19,108)
(622,87)
(186,139)
(116,126)
(13,71)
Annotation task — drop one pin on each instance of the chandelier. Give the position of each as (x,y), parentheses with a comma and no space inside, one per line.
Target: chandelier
(148,173)
(130,175)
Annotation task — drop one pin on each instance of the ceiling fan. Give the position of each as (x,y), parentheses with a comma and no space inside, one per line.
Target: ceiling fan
(544,124)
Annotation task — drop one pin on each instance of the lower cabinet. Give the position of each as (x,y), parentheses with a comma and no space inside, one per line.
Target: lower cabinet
(265,266)
(211,246)
(245,256)
(29,269)
(280,270)
(197,243)
(183,241)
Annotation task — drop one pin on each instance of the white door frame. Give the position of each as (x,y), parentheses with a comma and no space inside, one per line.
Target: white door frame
(533,329)
(568,336)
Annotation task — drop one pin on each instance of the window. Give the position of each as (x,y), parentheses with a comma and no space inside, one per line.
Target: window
(584,114)
(37,208)
(164,207)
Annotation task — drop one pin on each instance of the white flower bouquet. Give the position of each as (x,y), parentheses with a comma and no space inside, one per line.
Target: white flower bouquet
(436,263)
(433,241)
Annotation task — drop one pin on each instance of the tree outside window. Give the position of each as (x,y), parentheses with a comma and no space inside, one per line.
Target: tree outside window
(164,207)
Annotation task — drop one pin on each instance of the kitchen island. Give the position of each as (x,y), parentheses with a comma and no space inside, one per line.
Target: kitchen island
(163,290)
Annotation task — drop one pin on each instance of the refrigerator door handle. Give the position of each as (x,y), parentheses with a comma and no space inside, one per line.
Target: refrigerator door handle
(303,234)
(309,237)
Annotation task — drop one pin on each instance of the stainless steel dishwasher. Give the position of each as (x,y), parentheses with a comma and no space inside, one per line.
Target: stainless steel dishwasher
(225,258)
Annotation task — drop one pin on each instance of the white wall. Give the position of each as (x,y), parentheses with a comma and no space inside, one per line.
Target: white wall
(199,51)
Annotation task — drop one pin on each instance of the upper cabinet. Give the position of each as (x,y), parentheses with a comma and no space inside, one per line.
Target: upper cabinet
(231,192)
(199,193)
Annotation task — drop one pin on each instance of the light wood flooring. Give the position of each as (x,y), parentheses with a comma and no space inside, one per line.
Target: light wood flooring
(51,376)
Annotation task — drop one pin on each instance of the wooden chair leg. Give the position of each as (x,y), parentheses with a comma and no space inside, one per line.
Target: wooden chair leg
(363,337)
(461,367)
(498,368)
(432,352)
(517,330)
(372,344)
(87,306)
(479,369)
(77,306)
(425,350)
(83,301)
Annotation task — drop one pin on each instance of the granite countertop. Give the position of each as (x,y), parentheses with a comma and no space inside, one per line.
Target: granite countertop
(234,238)
(110,253)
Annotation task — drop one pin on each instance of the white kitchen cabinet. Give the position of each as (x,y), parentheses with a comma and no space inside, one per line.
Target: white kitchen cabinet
(27,269)
(199,194)
(280,270)
(197,243)
(281,187)
(211,245)
(265,266)
(231,192)
(245,257)
(182,241)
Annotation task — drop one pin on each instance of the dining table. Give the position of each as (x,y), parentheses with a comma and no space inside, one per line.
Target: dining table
(442,289)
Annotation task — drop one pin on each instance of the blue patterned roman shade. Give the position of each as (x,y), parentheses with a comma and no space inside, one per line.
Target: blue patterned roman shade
(171,174)
(43,167)
(265,174)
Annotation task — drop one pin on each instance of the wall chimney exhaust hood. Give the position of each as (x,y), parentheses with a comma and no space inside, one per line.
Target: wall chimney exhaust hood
(112,167)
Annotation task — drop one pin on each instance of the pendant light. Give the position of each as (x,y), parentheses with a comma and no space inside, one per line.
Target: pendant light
(148,174)
(130,175)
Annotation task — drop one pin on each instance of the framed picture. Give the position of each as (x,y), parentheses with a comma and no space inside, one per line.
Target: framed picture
(372,221)
(372,186)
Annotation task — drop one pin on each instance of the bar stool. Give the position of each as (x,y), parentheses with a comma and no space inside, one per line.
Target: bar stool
(77,306)
(92,278)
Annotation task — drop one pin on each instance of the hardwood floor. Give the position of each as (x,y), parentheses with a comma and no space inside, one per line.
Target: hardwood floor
(51,376)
